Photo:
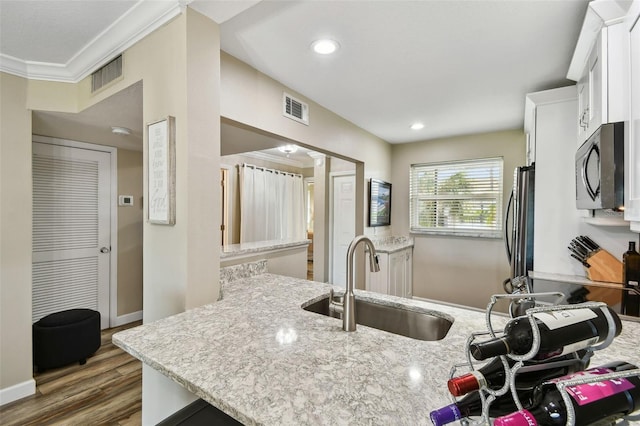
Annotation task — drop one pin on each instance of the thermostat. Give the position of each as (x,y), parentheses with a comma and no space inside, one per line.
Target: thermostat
(125,200)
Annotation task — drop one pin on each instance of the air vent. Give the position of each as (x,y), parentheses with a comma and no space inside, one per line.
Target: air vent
(295,109)
(106,74)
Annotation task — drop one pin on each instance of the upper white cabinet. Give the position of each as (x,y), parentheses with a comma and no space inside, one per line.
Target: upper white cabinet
(632,152)
(600,67)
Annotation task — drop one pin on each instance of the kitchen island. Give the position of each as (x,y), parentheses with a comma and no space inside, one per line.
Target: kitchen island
(261,358)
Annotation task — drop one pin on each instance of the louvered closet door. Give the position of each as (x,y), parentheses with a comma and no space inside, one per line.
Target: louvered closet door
(71,227)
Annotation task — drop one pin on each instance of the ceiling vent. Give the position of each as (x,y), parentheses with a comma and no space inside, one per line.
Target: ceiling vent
(106,74)
(295,109)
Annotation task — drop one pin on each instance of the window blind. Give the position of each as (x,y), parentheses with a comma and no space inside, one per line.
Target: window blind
(457,198)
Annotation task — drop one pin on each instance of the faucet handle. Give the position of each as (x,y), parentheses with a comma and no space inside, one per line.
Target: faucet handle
(333,305)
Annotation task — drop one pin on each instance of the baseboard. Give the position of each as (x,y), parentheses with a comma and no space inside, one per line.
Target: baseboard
(15,392)
(127,318)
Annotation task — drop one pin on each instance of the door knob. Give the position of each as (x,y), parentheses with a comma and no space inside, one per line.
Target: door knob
(105,250)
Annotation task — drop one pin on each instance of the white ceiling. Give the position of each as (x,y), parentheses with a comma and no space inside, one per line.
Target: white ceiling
(458,66)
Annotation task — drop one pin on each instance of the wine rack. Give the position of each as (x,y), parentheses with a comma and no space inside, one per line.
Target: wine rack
(488,396)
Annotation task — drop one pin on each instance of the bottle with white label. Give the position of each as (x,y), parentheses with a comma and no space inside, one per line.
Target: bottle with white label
(591,402)
(561,332)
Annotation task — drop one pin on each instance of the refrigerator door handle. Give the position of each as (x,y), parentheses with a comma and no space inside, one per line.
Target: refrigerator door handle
(506,230)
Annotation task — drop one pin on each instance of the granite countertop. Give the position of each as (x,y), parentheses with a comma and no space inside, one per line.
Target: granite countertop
(258,356)
(391,244)
(232,250)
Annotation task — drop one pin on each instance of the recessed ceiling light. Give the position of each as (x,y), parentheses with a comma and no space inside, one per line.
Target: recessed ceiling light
(325,46)
(120,130)
(288,149)
(417,126)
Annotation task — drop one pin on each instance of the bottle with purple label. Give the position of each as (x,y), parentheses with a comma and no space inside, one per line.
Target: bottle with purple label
(591,402)
(471,405)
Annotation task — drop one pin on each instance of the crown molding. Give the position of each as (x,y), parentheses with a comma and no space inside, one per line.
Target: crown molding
(141,20)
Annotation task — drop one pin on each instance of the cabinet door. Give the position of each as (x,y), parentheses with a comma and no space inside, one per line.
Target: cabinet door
(632,157)
(408,274)
(378,281)
(583,107)
(596,87)
(397,273)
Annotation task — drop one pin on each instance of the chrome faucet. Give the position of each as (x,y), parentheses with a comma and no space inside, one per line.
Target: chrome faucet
(348,305)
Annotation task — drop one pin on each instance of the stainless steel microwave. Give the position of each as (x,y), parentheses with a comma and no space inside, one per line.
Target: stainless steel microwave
(600,169)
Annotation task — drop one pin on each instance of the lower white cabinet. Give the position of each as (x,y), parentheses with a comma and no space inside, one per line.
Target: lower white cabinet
(396,273)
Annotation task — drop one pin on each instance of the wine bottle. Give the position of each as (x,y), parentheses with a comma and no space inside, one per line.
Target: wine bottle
(471,405)
(591,403)
(492,375)
(561,332)
(631,279)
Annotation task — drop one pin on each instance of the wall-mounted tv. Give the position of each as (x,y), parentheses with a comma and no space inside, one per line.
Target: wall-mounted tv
(379,203)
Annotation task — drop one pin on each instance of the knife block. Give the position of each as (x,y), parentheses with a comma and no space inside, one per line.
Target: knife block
(603,266)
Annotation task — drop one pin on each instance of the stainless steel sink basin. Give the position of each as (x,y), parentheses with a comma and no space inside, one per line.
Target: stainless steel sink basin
(393,319)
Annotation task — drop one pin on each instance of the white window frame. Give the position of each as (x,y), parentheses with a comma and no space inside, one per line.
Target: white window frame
(491,192)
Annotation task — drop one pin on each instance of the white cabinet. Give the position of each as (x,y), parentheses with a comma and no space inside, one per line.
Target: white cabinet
(378,281)
(538,128)
(555,135)
(601,88)
(632,153)
(408,274)
(601,83)
(590,91)
(396,273)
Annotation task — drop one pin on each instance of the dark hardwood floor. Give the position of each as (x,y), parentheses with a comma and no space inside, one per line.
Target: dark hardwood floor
(107,390)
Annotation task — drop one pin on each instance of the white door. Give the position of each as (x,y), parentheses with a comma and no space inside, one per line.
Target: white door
(343,225)
(71,230)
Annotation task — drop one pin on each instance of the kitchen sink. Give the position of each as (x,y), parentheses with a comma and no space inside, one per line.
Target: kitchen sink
(393,319)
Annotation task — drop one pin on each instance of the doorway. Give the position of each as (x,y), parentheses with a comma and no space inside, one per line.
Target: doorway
(224,204)
(74,242)
(309,216)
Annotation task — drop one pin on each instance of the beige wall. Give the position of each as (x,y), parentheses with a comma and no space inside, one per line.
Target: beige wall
(130,222)
(455,269)
(15,241)
(254,99)
(179,65)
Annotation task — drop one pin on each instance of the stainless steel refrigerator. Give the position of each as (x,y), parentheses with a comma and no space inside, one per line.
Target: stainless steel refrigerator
(519,223)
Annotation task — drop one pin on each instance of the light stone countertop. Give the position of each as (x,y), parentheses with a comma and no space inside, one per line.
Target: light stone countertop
(391,244)
(233,250)
(258,356)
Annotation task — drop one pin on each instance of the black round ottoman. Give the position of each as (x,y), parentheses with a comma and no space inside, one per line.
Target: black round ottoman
(65,337)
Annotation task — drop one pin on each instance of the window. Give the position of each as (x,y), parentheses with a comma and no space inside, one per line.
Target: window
(457,198)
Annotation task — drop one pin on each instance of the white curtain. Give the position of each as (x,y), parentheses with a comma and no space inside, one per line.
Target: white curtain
(271,205)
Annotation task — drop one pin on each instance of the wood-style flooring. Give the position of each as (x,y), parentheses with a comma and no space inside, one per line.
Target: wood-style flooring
(107,390)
